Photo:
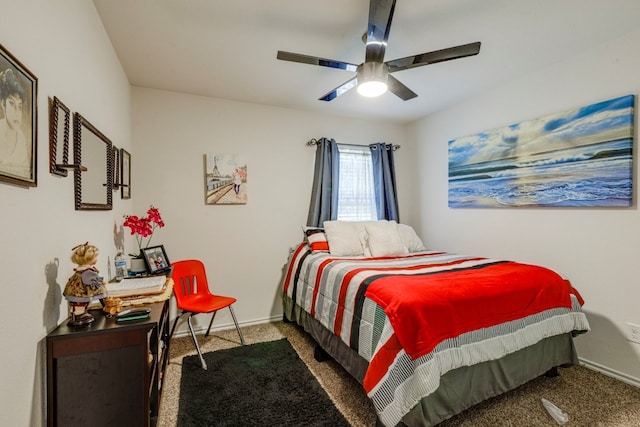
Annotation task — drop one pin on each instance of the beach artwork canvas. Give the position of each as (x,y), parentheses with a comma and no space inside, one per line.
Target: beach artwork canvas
(225,179)
(580,157)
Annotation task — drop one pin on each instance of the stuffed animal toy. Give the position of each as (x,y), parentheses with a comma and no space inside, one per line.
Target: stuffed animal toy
(112,305)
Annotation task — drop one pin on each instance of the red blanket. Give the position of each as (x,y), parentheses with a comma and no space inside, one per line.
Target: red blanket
(427,309)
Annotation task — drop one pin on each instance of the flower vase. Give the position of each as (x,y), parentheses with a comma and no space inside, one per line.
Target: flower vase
(137,265)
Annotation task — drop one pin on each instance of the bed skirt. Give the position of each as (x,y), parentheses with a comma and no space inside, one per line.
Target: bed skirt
(460,388)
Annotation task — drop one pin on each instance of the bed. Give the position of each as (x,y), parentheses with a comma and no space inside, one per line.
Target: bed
(427,333)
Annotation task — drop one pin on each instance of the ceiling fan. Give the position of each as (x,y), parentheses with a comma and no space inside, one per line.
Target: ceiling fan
(373,76)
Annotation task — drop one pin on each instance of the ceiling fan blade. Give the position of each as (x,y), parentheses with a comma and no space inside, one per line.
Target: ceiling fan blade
(433,57)
(313,60)
(340,90)
(399,89)
(380,17)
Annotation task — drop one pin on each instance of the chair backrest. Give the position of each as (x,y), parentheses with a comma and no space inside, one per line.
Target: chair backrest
(189,280)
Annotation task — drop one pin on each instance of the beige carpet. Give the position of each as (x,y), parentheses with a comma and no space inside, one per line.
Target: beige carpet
(589,398)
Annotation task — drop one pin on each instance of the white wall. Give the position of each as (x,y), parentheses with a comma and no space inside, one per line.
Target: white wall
(244,247)
(63,43)
(598,249)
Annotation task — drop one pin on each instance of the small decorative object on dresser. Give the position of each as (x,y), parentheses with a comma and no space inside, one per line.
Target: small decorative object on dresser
(112,305)
(85,285)
(137,265)
(156,259)
(143,228)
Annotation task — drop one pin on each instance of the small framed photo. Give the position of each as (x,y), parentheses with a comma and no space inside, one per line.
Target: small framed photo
(18,122)
(155,257)
(125,174)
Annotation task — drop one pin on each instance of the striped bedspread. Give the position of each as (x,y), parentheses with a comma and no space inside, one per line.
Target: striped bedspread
(419,316)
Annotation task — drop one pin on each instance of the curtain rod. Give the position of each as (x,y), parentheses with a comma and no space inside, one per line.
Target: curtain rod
(314,141)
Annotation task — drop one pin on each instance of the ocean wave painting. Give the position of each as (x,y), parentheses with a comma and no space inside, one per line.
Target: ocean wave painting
(580,157)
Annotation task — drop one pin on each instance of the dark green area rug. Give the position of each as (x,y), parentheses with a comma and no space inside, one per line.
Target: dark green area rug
(264,384)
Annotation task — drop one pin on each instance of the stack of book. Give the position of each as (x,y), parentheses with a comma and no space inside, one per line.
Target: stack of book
(137,286)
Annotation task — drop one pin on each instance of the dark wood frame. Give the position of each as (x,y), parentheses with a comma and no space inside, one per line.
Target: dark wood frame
(57,107)
(79,122)
(8,61)
(148,252)
(125,174)
(115,157)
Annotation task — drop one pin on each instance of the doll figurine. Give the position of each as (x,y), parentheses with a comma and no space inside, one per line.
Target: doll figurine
(85,285)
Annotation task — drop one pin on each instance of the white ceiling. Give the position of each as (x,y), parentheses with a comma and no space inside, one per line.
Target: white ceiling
(227,48)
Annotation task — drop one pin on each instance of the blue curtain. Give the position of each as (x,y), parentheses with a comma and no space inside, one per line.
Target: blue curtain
(384,181)
(324,194)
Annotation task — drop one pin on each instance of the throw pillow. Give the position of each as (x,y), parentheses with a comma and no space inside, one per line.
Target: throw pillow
(343,238)
(384,239)
(410,238)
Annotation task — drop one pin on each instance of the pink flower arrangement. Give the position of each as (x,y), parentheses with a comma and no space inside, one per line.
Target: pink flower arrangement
(145,226)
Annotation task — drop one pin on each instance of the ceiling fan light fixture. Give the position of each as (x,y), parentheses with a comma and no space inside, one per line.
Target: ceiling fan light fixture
(372,88)
(372,79)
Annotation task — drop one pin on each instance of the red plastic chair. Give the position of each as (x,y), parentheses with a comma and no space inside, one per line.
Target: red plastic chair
(191,290)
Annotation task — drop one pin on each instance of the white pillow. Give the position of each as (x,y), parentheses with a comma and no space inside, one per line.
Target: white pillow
(384,239)
(364,242)
(343,237)
(410,239)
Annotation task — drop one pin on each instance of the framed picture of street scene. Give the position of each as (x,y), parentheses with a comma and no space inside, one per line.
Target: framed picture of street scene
(225,179)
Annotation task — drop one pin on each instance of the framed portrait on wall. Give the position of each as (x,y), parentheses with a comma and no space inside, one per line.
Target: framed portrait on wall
(18,121)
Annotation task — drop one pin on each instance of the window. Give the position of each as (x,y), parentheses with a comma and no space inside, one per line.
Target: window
(356,197)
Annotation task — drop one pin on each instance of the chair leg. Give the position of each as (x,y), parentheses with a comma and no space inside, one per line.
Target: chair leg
(195,341)
(210,323)
(237,326)
(175,323)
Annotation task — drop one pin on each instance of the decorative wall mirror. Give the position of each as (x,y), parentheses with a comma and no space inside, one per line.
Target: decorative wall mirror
(59,131)
(93,172)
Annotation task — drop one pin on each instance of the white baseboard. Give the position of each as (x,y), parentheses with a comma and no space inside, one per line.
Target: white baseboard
(611,372)
(184,332)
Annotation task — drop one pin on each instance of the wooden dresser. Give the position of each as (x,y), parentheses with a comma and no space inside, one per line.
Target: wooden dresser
(108,373)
